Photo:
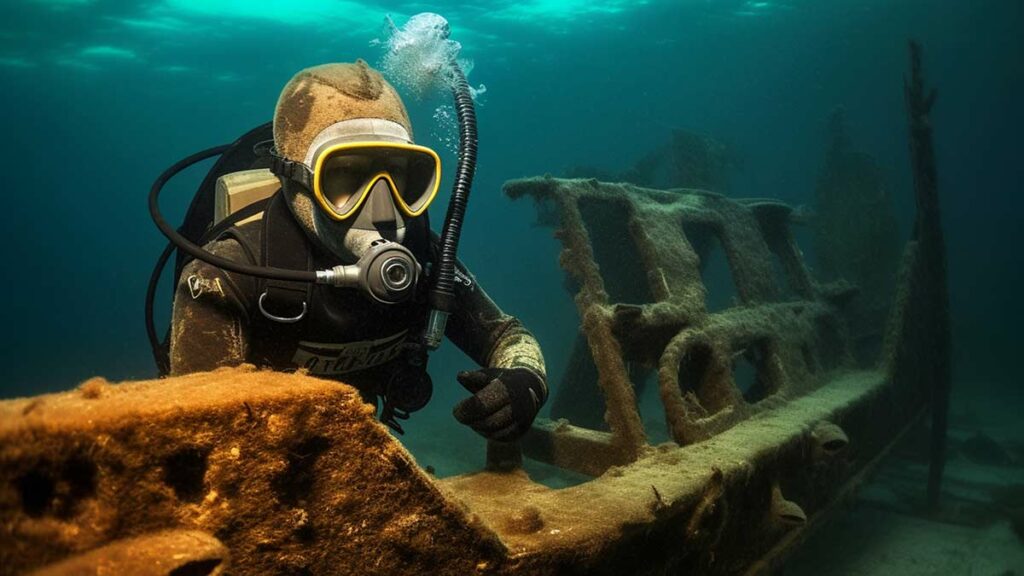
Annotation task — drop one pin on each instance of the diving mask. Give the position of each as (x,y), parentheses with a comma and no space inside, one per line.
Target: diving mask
(344,174)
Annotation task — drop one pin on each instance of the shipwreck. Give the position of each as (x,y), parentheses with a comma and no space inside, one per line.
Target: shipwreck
(250,472)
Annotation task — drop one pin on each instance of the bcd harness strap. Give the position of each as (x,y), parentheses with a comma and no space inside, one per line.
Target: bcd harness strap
(162,348)
(284,245)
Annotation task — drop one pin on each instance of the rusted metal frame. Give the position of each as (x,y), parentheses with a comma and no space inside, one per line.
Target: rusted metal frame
(672,265)
(689,420)
(577,259)
(640,220)
(582,450)
(785,248)
(735,240)
(774,219)
(748,254)
(718,404)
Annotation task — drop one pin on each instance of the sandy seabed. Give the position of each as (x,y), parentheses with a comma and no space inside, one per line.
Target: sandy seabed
(979,530)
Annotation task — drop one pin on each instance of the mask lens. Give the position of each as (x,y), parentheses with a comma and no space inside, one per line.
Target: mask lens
(395,162)
(420,181)
(343,178)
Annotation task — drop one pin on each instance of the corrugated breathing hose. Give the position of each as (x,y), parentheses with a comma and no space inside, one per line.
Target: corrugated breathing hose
(442,293)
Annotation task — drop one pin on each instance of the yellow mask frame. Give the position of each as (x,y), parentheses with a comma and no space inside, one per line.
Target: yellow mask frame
(332,151)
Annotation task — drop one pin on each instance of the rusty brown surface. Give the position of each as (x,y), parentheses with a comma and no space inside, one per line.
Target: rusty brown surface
(164,553)
(291,473)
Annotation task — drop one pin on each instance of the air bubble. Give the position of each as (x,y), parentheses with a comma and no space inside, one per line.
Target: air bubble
(446,128)
(419,56)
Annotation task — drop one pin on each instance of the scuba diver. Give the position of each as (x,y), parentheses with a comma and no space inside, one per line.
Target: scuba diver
(353,199)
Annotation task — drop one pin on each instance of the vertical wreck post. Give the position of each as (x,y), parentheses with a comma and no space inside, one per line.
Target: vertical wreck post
(932,253)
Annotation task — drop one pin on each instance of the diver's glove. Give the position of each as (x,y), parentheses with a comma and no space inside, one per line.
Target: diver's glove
(504,401)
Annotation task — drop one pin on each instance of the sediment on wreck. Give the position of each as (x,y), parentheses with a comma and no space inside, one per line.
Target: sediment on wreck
(290,473)
(689,161)
(788,330)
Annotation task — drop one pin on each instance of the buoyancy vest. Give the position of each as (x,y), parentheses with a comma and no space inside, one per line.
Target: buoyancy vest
(337,333)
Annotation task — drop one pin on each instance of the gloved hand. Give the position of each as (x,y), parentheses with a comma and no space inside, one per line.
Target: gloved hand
(504,401)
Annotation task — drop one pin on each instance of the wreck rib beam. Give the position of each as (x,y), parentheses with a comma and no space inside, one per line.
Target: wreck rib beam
(932,262)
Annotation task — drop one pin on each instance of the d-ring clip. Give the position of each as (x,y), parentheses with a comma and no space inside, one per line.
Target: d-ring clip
(281,319)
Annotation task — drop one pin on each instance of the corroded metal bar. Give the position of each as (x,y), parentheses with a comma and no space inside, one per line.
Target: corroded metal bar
(932,257)
(578,449)
(578,259)
(612,376)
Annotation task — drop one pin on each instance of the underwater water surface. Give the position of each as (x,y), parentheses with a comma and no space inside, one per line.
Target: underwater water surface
(99,96)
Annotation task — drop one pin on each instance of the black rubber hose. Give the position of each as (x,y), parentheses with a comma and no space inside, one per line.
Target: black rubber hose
(442,294)
(197,251)
(163,362)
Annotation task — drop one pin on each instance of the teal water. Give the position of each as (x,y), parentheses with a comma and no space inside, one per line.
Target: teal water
(100,95)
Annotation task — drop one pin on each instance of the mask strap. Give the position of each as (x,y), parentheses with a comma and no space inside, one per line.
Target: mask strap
(290,169)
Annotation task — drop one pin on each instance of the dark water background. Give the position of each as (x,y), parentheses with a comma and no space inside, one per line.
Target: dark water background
(99,96)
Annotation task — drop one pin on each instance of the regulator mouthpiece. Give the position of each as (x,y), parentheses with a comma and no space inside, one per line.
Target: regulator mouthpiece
(387,273)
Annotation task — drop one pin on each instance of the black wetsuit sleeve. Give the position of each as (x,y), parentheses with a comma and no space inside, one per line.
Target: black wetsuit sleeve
(209,324)
(490,337)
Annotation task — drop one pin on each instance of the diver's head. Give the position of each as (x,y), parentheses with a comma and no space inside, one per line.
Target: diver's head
(348,166)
